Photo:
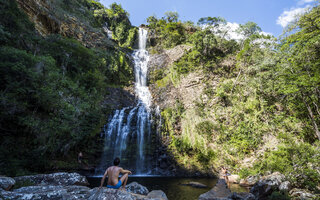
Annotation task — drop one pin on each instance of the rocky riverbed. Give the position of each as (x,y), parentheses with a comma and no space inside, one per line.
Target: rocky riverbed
(275,185)
(73,186)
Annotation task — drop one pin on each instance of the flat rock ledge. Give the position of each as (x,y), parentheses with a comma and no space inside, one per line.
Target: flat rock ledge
(76,193)
(219,192)
(62,178)
(70,186)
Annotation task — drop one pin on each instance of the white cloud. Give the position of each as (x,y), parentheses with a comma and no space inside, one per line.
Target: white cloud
(289,16)
(302,2)
(230,31)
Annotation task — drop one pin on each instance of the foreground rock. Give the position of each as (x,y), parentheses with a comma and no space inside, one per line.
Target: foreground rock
(54,179)
(219,192)
(6,182)
(266,185)
(77,192)
(47,192)
(157,195)
(249,181)
(136,188)
(234,179)
(302,194)
(195,185)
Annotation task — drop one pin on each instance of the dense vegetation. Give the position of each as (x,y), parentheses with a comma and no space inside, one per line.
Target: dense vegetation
(263,116)
(53,88)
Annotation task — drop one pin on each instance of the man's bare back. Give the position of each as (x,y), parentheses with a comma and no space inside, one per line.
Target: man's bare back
(113,175)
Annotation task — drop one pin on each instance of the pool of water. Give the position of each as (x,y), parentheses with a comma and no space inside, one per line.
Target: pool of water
(172,186)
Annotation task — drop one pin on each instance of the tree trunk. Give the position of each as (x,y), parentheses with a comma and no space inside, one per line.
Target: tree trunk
(314,123)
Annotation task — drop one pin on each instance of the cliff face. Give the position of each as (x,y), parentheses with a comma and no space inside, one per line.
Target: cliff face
(61,77)
(49,18)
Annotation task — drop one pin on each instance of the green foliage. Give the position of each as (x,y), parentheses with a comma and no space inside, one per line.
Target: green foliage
(215,21)
(205,127)
(117,20)
(52,91)
(278,196)
(299,74)
(260,100)
(169,30)
(249,29)
(298,161)
(171,16)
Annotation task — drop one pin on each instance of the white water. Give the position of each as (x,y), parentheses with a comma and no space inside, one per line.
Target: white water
(131,127)
(141,58)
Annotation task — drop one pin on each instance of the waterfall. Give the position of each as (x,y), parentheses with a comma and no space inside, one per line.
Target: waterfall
(128,132)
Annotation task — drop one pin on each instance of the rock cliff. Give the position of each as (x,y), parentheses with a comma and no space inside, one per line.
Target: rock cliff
(49,18)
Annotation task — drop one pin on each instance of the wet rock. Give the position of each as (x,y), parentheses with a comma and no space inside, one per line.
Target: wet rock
(6,182)
(219,192)
(163,164)
(136,188)
(299,194)
(54,179)
(235,196)
(157,195)
(249,196)
(264,187)
(195,185)
(241,196)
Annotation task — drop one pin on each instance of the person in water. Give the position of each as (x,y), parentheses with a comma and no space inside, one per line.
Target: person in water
(113,174)
(225,174)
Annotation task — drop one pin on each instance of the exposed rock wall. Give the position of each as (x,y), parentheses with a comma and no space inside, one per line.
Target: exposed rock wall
(48,20)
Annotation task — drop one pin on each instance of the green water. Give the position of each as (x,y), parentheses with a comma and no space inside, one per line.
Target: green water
(172,186)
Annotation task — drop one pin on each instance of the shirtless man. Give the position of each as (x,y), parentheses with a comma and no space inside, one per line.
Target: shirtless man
(113,174)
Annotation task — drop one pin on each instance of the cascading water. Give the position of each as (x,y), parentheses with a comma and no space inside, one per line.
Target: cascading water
(128,133)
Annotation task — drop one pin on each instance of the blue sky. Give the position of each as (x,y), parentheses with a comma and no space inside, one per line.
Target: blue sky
(271,15)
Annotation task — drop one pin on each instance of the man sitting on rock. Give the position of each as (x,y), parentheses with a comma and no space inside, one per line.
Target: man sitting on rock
(113,174)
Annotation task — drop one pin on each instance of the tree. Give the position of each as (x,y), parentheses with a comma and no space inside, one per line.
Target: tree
(152,21)
(249,29)
(215,21)
(299,73)
(171,16)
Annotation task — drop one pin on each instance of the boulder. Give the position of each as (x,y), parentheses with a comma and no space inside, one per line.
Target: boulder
(195,185)
(249,181)
(219,192)
(285,186)
(157,195)
(241,196)
(301,194)
(234,178)
(6,182)
(136,188)
(110,194)
(265,186)
(249,196)
(54,179)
